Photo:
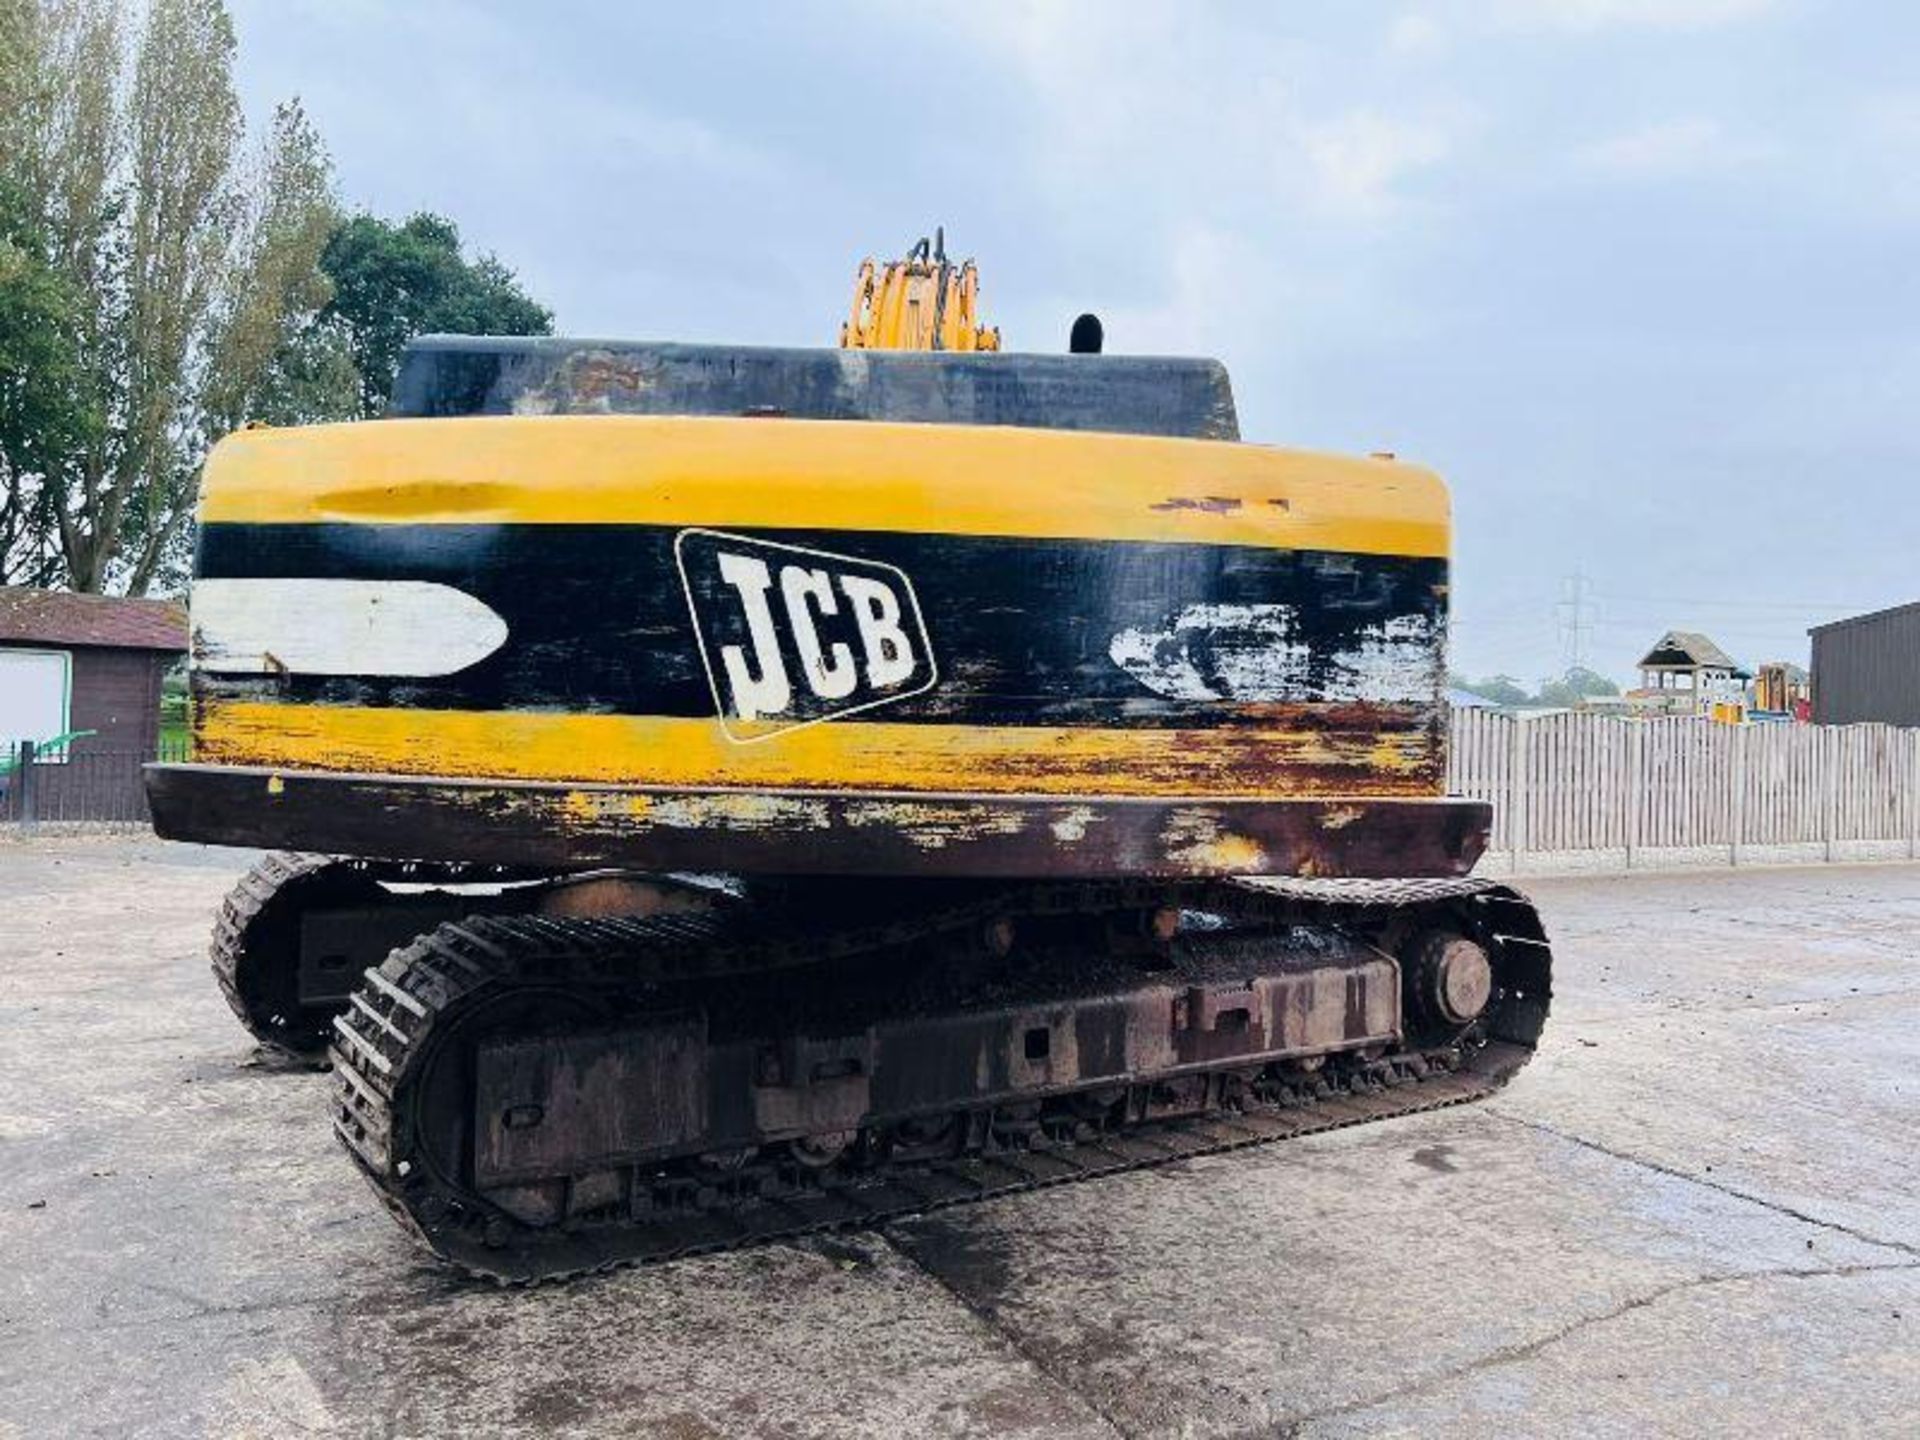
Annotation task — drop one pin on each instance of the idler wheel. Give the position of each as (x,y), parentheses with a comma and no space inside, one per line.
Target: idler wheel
(817,1152)
(1452,978)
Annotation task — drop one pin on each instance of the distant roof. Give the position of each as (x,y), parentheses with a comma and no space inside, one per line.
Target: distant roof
(1684,649)
(1862,619)
(57,617)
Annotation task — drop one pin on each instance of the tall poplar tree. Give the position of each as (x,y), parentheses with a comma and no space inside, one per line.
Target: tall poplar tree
(174,273)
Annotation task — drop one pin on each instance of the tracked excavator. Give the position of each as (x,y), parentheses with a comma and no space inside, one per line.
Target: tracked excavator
(722,793)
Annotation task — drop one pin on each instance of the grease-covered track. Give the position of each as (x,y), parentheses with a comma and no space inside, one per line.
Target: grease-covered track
(288,1002)
(255,944)
(406,1074)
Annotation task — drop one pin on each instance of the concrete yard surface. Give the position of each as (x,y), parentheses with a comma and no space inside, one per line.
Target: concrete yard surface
(1697,1212)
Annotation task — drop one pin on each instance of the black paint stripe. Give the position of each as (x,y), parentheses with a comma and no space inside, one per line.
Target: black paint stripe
(1022,628)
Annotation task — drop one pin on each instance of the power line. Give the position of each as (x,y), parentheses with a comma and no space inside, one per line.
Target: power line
(1574,624)
(1732,604)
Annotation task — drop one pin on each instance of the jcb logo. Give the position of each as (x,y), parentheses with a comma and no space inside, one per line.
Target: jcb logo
(790,636)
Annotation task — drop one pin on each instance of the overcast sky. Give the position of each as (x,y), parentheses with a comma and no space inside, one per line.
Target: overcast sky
(1637,276)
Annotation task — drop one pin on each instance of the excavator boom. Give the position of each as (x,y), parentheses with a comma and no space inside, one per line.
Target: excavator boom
(924,302)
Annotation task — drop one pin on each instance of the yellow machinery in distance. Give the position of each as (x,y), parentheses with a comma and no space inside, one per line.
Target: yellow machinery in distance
(924,302)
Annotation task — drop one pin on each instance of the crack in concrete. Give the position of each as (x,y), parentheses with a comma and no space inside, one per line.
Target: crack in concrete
(197,1308)
(1777,1207)
(1526,1350)
(1285,1427)
(991,1321)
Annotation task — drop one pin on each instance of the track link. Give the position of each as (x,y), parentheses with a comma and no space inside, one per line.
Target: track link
(417,1000)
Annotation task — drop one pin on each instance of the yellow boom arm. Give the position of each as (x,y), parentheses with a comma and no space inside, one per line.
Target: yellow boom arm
(924,302)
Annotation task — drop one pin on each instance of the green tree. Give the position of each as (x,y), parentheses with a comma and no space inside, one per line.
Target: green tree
(184,270)
(278,358)
(40,410)
(44,409)
(1579,683)
(393,282)
(1498,689)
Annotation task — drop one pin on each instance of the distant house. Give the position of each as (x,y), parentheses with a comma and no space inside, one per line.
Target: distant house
(1686,673)
(1868,668)
(1604,705)
(1781,688)
(74,663)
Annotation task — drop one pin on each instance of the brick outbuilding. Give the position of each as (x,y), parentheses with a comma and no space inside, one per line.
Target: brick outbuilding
(72,663)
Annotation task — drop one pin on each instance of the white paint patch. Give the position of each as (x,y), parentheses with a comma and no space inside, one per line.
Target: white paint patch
(1257,653)
(1399,663)
(932,826)
(1072,826)
(744,811)
(24,1127)
(273,1397)
(340,627)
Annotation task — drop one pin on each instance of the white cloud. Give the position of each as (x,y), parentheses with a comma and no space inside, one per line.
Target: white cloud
(1894,119)
(1592,15)
(1416,36)
(1357,159)
(624,127)
(1217,293)
(1202,110)
(1883,138)
(1686,146)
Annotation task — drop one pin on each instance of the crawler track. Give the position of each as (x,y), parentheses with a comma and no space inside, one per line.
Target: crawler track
(255,952)
(256,938)
(552,974)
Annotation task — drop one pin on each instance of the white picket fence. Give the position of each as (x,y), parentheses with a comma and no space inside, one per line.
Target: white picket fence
(1575,791)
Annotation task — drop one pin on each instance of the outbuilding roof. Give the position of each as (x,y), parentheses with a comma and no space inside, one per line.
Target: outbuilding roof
(58,617)
(1868,618)
(1687,650)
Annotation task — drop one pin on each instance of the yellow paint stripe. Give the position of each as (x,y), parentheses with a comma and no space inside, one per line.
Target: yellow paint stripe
(654,750)
(830,475)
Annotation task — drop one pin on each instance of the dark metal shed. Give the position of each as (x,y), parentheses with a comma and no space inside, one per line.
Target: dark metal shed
(1867,667)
